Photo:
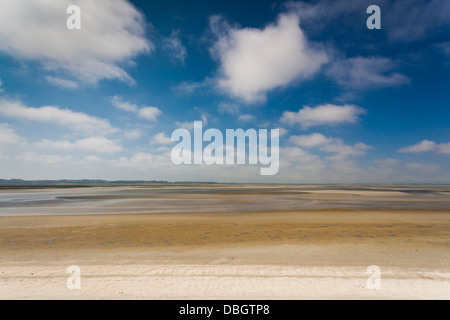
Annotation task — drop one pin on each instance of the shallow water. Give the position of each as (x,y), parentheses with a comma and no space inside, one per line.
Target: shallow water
(227,198)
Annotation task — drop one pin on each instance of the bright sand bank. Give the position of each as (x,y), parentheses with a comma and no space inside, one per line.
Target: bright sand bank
(309,253)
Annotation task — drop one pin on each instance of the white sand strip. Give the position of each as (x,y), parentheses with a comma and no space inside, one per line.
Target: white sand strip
(220,282)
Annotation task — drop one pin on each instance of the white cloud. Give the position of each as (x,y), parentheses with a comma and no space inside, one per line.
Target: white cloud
(47,158)
(295,156)
(161,138)
(282,131)
(76,121)
(92,158)
(175,47)
(229,108)
(328,114)
(423,167)
(7,136)
(246,117)
(427,145)
(186,87)
(343,151)
(255,61)
(204,117)
(124,105)
(336,146)
(148,113)
(444,148)
(132,134)
(308,141)
(1,84)
(365,73)
(139,160)
(96,144)
(189,125)
(62,83)
(112,33)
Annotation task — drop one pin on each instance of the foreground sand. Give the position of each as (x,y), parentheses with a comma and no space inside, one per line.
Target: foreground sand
(292,254)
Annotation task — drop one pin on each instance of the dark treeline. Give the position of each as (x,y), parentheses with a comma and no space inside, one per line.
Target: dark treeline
(17,183)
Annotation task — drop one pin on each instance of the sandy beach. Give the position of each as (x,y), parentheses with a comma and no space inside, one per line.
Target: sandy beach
(226,242)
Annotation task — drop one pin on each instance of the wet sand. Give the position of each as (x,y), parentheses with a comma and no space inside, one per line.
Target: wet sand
(269,242)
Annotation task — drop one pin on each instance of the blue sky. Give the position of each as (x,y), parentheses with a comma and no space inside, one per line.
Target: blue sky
(353,105)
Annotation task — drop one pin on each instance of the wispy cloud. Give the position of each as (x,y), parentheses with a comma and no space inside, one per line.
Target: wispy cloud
(365,73)
(62,83)
(76,121)
(403,21)
(92,144)
(245,118)
(50,159)
(124,105)
(175,47)
(148,113)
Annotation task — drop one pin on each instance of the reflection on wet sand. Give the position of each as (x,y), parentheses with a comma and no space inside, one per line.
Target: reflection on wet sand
(220,198)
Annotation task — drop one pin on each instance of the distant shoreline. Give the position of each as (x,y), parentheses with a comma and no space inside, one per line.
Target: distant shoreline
(86,183)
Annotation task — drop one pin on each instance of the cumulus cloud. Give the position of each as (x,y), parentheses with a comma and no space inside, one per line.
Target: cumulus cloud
(148,113)
(327,114)
(254,61)
(298,156)
(112,33)
(336,146)
(427,145)
(161,138)
(308,141)
(76,121)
